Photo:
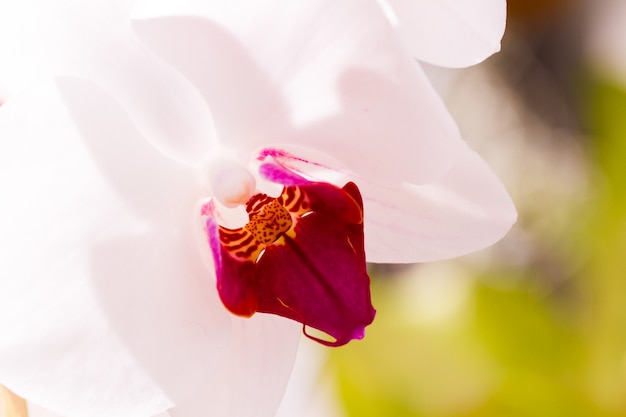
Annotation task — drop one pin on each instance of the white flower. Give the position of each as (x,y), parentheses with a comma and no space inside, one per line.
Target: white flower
(107,306)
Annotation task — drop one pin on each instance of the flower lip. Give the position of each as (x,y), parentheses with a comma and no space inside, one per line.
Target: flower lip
(300,256)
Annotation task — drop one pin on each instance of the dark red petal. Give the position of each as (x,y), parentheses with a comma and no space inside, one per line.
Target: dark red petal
(318,277)
(332,201)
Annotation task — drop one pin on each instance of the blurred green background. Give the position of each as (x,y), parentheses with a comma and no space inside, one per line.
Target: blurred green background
(536,325)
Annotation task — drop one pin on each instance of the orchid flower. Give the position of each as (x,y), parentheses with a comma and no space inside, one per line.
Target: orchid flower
(213,157)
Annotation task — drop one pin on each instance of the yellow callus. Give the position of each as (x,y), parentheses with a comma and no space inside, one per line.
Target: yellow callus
(11,405)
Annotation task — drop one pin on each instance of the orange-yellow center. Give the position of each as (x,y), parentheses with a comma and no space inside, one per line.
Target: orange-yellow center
(270,223)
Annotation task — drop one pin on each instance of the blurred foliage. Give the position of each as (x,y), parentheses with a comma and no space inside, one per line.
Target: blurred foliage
(506,339)
(603,241)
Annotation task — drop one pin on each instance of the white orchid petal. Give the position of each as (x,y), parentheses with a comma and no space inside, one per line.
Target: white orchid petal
(265,351)
(254,375)
(466,210)
(35,410)
(449,33)
(107,308)
(332,76)
(39,39)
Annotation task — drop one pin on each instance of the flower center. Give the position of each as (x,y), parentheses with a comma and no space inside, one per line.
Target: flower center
(269,219)
(301,256)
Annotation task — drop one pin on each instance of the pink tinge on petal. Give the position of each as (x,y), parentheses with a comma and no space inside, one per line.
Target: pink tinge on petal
(301,256)
(449,33)
(280,175)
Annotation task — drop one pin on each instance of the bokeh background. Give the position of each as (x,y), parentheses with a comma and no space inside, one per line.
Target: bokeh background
(536,325)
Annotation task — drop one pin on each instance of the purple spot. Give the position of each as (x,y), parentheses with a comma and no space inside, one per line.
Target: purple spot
(213,237)
(207,209)
(281,175)
(280,155)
